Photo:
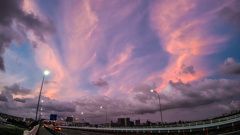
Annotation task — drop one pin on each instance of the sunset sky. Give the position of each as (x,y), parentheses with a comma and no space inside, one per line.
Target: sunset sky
(112,53)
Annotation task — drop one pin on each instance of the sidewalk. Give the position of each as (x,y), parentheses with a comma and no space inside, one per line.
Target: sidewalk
(43,131)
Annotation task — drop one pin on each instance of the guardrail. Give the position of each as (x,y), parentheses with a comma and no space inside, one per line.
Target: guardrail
(189,127)
(31,132)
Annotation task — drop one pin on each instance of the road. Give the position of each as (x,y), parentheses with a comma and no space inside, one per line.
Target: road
(43,131)
(79,132)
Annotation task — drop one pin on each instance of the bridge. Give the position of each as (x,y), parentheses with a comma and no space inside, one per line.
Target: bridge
(217,125)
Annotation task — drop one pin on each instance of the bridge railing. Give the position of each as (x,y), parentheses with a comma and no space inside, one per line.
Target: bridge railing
(31,132)
(216,123)
(194,123)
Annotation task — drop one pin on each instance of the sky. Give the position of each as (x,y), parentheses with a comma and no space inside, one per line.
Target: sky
(112,53)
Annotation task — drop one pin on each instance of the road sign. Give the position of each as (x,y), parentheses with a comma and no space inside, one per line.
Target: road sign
(53,117)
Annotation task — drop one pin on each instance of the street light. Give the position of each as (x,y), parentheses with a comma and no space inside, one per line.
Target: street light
(106,111)
(46,72)
(160,107)
(82,113)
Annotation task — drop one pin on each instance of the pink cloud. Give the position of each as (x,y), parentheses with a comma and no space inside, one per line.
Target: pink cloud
(80,22)
(184,36)
(51,93)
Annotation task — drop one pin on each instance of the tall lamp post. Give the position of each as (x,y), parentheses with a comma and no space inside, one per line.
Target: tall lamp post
(46,72)
(160,107)
(41,110)
(106,111)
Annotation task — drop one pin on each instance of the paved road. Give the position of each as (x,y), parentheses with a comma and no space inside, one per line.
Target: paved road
(79,132)
(43,131)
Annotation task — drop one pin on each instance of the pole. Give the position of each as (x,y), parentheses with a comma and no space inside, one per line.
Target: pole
(106,114)
(39,98)
(160,107)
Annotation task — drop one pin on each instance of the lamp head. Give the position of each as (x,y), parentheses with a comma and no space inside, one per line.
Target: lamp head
(82,113)
(46,72)
(101,107)
(152,90)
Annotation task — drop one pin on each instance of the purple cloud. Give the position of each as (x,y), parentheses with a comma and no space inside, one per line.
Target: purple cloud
(48,82)
(15,23)
(231,14)
(230,67)
(100,83)
(20,100)
(188,69)
(51,105)
(3,98)
(193,94)
(17,90)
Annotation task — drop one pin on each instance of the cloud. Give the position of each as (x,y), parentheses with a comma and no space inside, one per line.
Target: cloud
(193,94)
(230,13)
(17,90)
(139,101)
(188,69)
(185,36)
(58,106)
(49,82)
(20,100)
(3,98)
(26,107)
(142,92)
(15,23)
(230,67)
(100,83)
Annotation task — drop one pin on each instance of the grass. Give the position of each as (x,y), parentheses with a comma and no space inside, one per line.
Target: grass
(11,130)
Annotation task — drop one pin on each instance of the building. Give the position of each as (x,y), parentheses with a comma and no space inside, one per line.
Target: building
(124,122)
(136,122)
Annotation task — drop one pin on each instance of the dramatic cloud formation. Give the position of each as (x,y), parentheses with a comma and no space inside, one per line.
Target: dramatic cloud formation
(180,95)
(15,23)
(111,54)
(186,36)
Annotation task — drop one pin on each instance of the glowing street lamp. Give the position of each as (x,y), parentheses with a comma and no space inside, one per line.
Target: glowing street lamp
(106,111)
(45,73)
(160,107)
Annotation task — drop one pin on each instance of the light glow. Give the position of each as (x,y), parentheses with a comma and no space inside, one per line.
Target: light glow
(46,72)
